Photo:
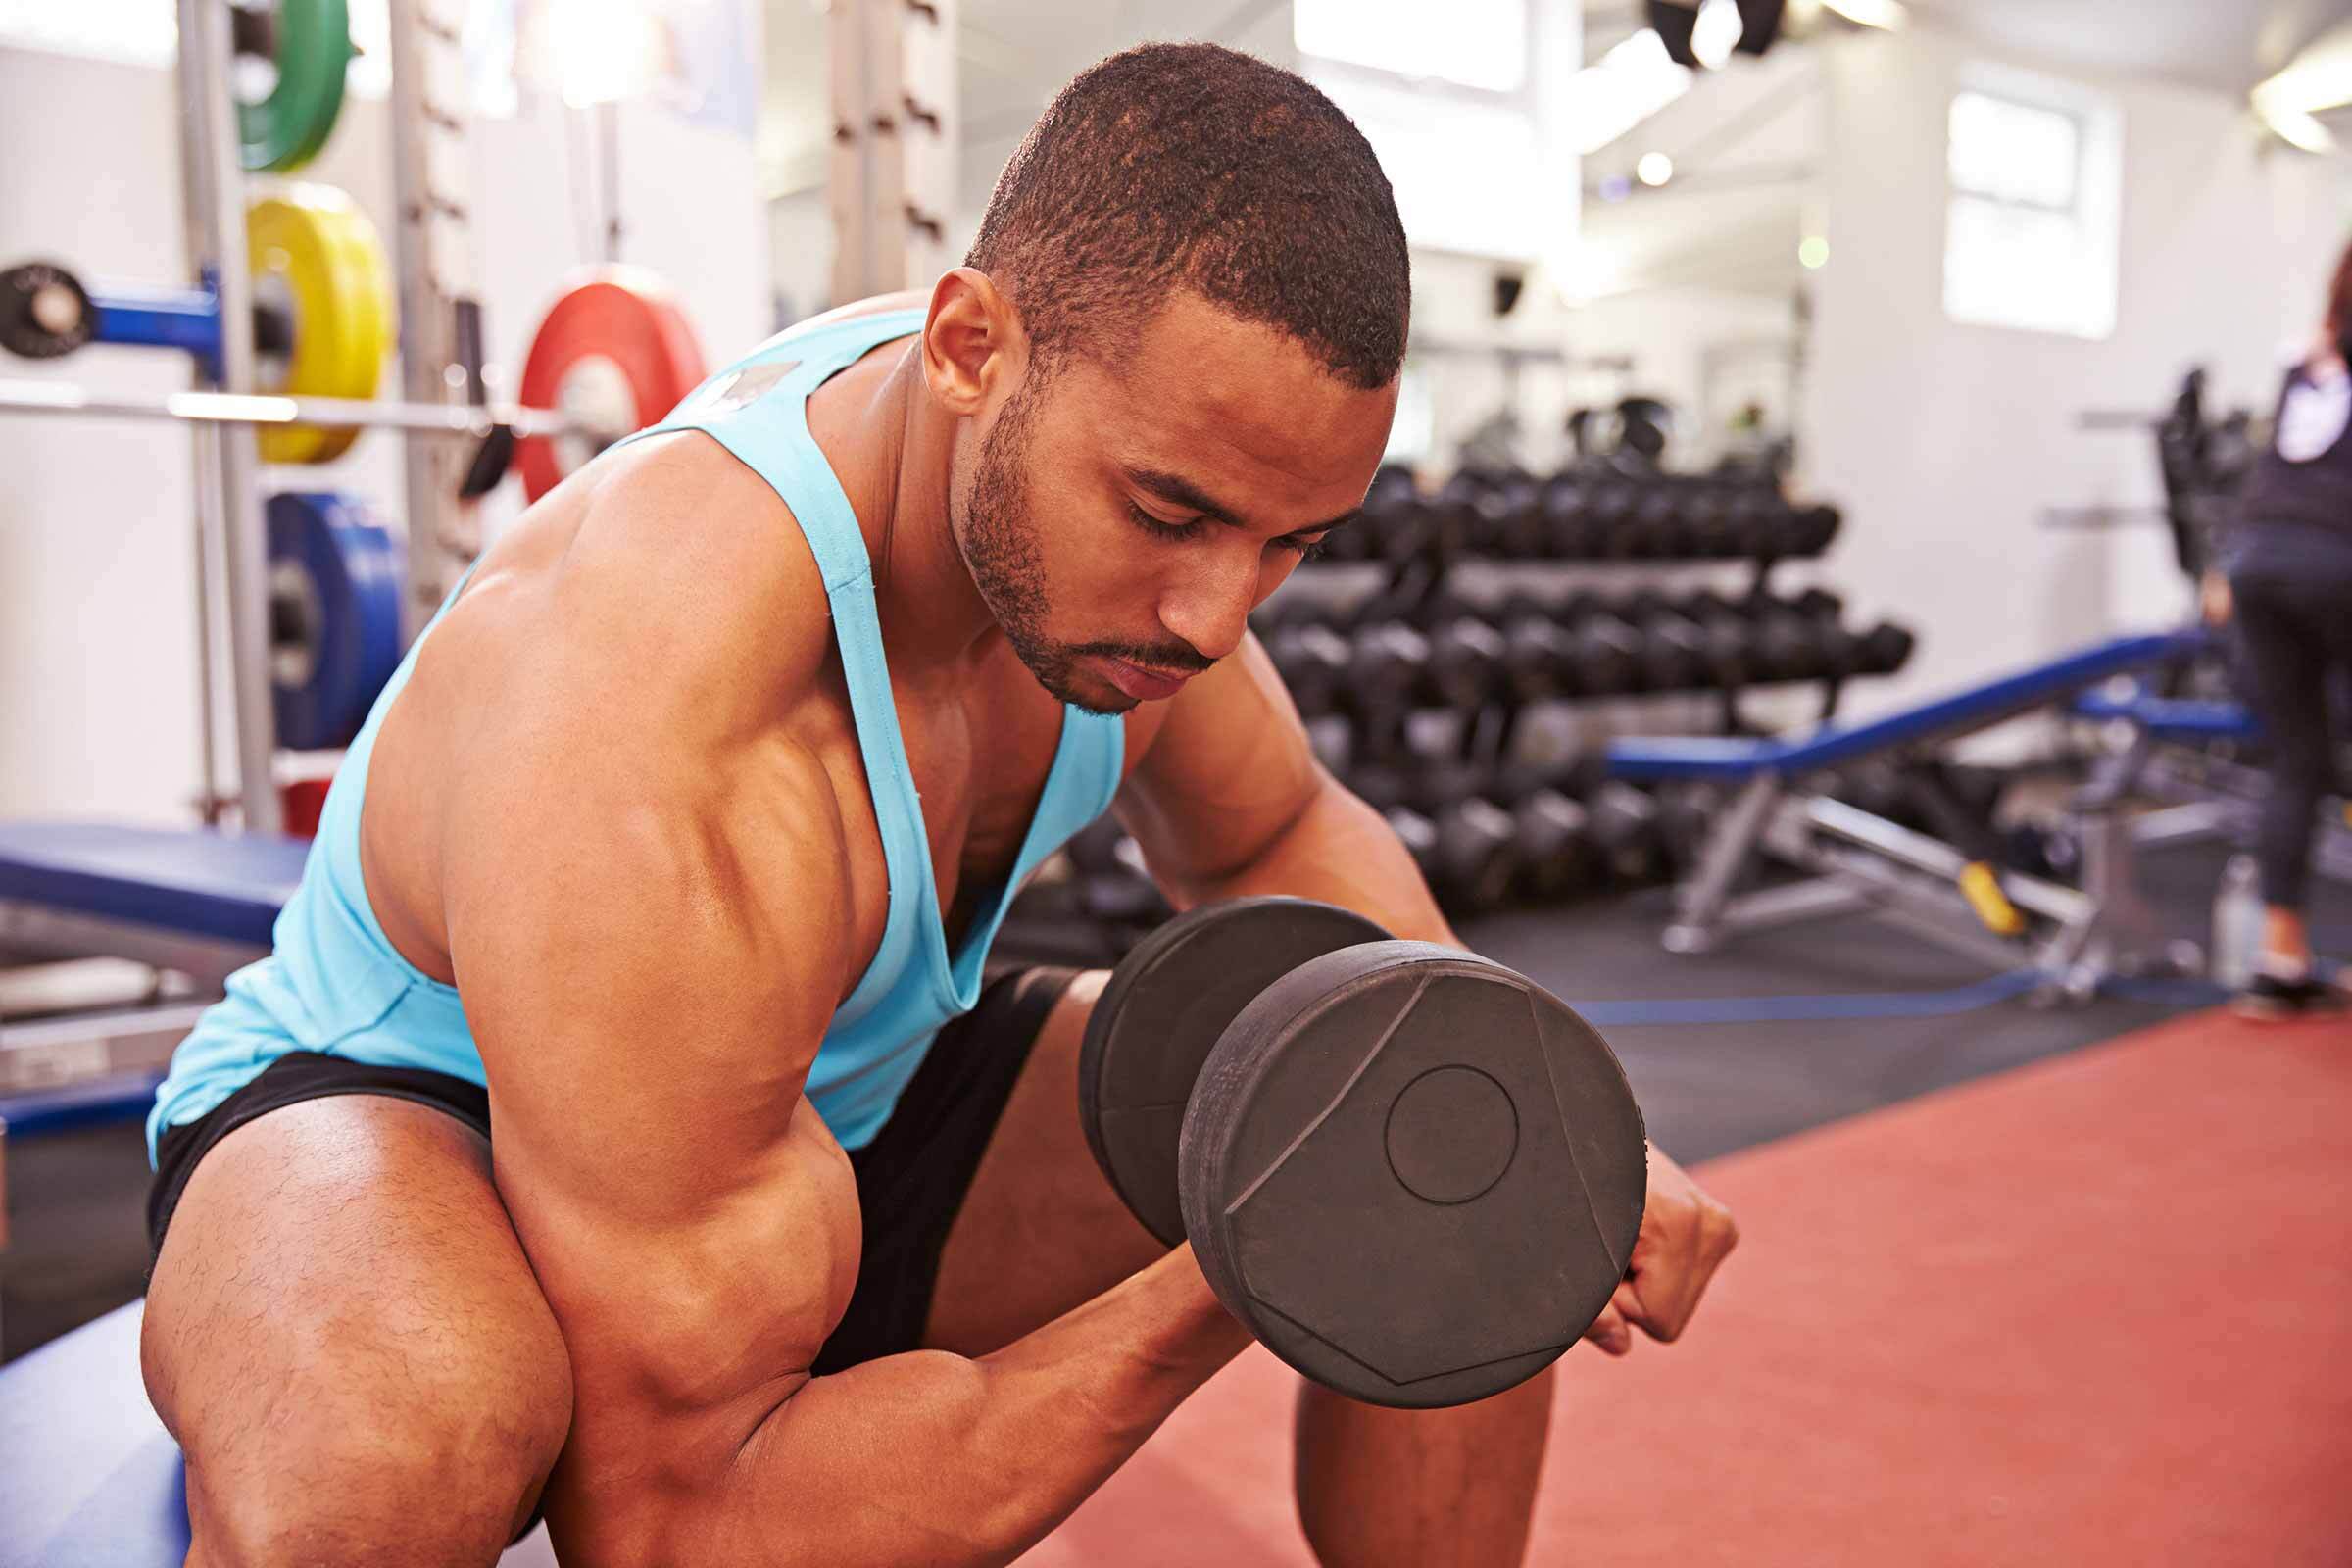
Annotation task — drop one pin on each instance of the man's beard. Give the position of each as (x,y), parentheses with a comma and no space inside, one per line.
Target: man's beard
(1000,550)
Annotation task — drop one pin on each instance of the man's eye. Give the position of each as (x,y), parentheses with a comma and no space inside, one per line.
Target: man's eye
(1307,548)
(1160,529)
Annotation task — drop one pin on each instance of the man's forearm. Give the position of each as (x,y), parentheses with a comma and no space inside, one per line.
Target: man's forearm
(935,1458)
(1341,851)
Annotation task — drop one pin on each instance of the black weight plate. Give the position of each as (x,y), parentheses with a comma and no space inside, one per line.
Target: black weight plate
(1413,1173)
(1159,1017)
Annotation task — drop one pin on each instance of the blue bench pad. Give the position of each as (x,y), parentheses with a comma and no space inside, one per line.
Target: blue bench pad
(1734,760)
(193,882)
(2174,719)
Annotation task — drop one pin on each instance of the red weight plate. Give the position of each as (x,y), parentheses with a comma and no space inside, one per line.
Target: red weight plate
(617,314)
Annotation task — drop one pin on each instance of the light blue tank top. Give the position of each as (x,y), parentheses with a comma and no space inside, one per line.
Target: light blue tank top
(335,984)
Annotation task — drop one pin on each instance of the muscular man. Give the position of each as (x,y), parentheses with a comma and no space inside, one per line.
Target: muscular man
(622,1125)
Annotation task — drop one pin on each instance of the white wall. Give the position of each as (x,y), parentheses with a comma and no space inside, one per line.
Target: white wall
(1945,443)
(97,600)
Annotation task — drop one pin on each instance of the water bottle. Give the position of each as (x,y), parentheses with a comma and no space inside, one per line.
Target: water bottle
(2237,923)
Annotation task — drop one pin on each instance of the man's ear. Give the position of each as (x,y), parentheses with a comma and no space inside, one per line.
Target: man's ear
(974,345)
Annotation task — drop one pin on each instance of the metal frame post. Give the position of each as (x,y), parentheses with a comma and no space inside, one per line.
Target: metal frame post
(227,466)
(896,131)
(432,247)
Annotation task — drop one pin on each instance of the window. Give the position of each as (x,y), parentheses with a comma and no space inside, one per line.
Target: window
(1462,171)
(1448,98)
(2032,224)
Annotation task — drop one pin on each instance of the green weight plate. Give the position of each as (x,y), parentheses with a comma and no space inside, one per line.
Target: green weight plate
(286,129)
(1160,1015)
(1413,1173)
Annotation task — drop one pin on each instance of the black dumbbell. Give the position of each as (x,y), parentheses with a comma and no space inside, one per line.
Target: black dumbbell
(1706,531)
(1385,665)
(1465,661)
(1475,509)
(1378,1128)
(1660,526)
(1783,646)
(1813,529)
(1315,663)
(1884,649)
(1475,857)
(1724,632)
(1609,525)
(1622,826)
(1554,857)
(1753,521)
(1536,655)
(1605,656)
(1520,533)
(1567,521)
(1677,655)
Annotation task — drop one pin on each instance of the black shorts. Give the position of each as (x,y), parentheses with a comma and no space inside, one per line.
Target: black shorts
(911,1177)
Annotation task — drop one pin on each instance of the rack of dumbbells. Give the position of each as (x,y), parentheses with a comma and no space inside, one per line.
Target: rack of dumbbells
(1430,646)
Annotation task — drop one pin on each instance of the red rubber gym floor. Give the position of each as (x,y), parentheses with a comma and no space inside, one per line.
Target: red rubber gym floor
(2096,1311)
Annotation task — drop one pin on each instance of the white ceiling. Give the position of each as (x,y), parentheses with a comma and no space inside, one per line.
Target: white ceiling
(2224,44)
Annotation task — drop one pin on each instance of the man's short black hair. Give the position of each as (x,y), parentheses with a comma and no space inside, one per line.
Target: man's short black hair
(1193,166)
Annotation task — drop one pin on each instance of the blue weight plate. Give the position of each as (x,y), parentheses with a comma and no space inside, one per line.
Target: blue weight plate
(336,579)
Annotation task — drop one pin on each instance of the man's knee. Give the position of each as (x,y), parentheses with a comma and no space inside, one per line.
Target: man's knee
(439,1474)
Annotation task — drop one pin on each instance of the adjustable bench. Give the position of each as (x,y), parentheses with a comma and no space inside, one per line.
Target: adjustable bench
(190,902)
(2182,756)
(193,904)
(1857,861)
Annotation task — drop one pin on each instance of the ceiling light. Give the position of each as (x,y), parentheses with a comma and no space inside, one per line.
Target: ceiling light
(1887,14)
(1717,33)
(2296,127)
(1814,253)
(1626,86)
(1654,169)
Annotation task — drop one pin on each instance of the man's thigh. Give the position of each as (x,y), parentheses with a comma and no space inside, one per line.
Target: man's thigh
(1041,1231)
(341,1317)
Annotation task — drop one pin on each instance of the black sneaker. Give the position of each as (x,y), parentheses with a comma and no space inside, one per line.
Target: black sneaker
(2268,997)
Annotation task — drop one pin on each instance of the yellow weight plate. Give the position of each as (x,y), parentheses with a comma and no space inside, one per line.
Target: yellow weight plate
(311,250)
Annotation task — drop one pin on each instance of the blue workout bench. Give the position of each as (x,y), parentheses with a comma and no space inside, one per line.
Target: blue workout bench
(195,906)
(192,903)
(1857,861)
(2180,720)
(88,1476)
(2185,757)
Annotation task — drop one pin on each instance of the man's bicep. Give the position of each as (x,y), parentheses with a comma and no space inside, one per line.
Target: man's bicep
(1226,771)
(644,969)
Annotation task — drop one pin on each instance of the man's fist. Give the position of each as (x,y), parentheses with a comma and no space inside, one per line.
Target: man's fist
(1685,1234)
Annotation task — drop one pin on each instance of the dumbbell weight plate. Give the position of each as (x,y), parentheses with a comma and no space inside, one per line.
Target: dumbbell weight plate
(313,52)
(1160,1015)
(616,354)
(316,256)
(336,577)
(1414,1174)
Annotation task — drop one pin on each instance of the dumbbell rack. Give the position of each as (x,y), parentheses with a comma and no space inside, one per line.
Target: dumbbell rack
(1400,641)
(1418,643)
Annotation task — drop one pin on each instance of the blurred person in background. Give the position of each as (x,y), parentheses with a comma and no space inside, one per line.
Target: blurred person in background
(2282,572)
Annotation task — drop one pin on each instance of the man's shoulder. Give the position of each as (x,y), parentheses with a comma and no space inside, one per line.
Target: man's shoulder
(687,574)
